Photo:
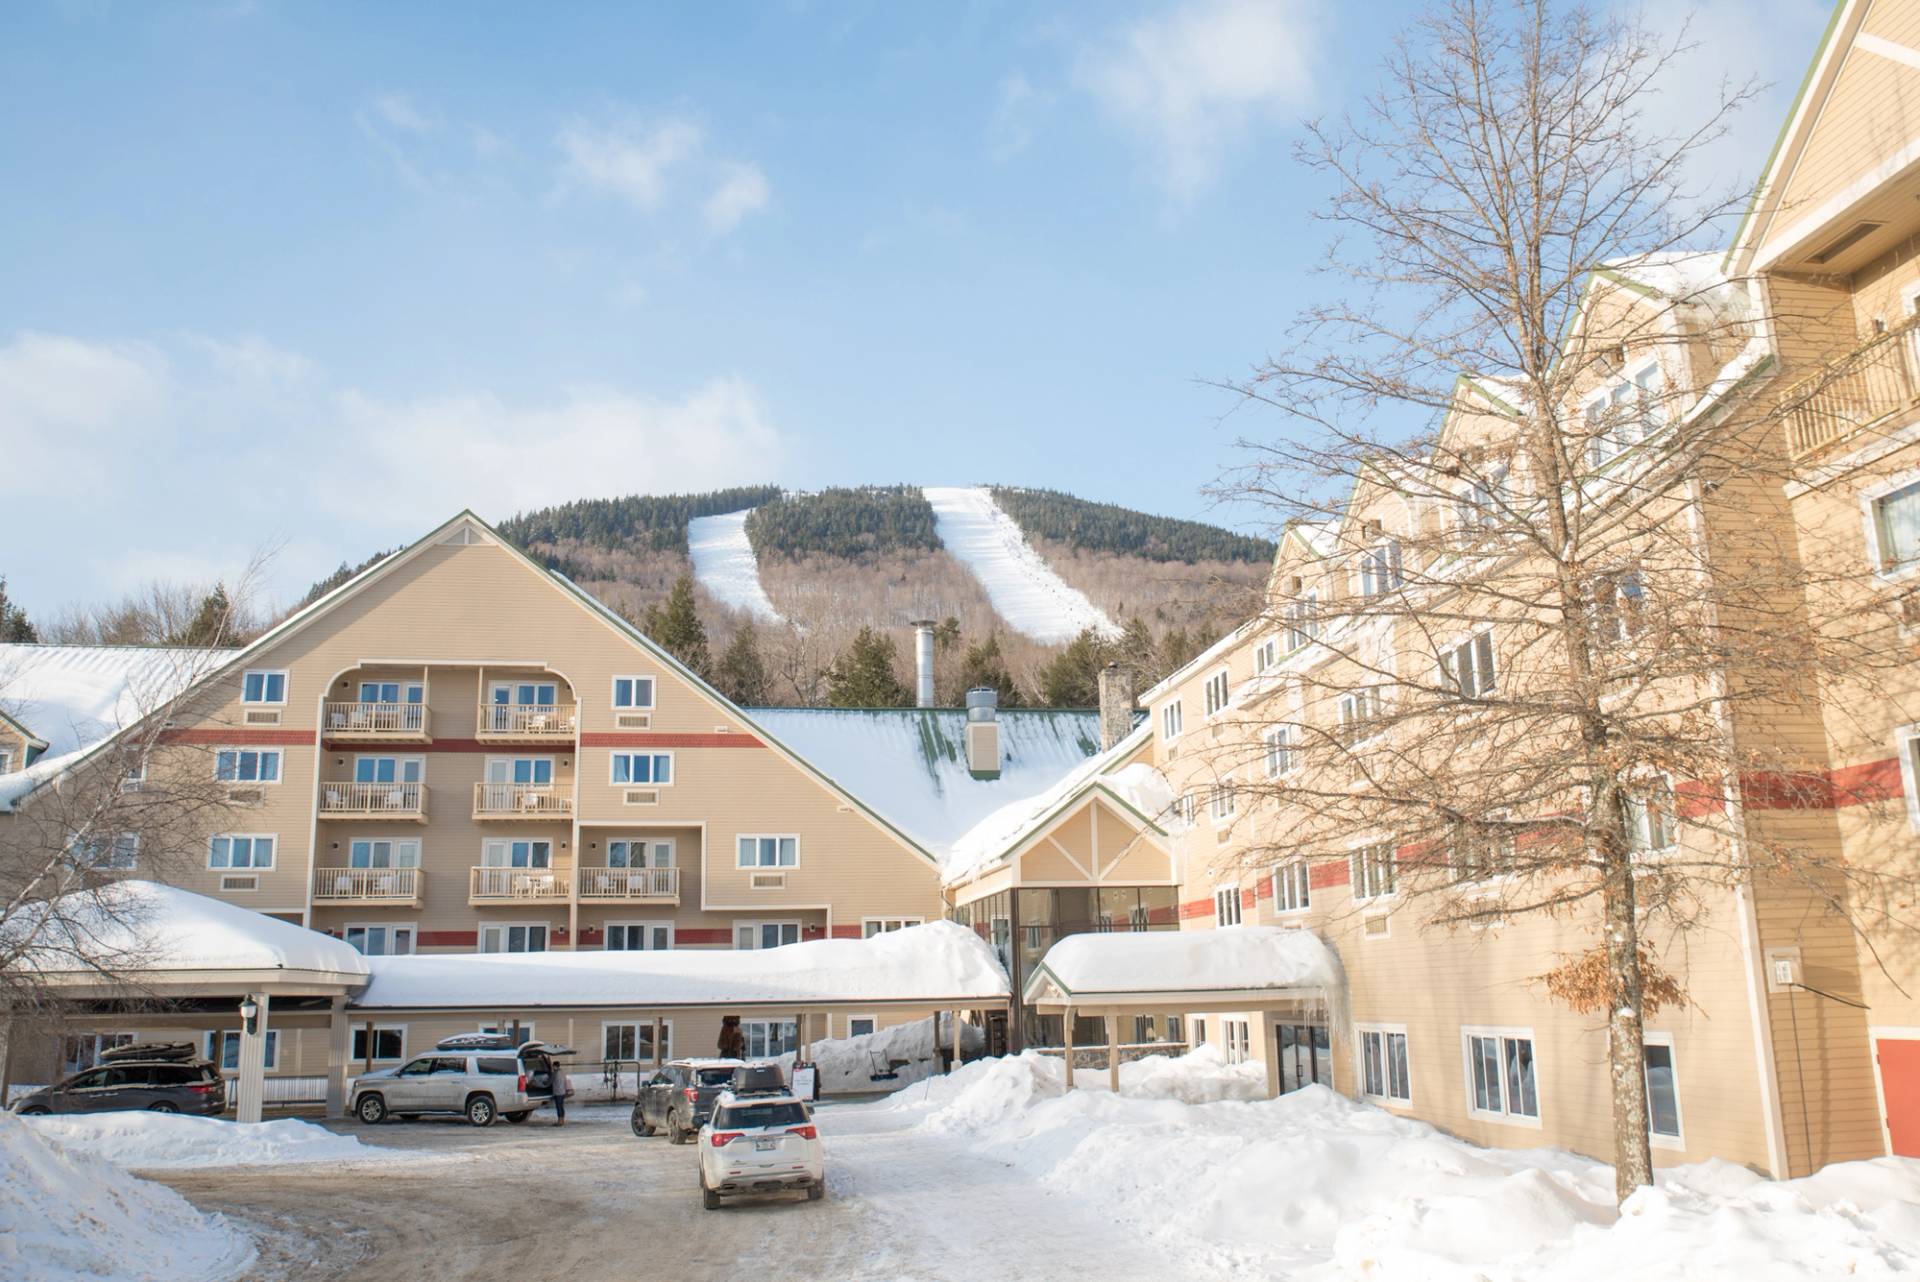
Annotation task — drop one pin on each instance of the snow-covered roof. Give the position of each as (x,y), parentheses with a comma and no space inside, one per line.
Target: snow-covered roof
(1138,785)
(149,927)
(1688,277)
(1232,959)
(910,764)
(934,963)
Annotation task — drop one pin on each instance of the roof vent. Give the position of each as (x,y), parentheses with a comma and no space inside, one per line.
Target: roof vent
(983,733)
(1848,239)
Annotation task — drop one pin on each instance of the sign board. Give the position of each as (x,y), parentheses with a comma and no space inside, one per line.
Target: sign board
(806,1081)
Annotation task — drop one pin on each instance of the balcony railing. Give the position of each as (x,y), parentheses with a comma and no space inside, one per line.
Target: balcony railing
(520,801)
(377,721)
(1878,378)
(373,801)
(367,885)
(517,884)
(630,883)
(524,722)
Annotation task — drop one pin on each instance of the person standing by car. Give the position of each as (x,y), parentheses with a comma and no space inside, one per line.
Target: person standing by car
(733,1042)
(562,1087)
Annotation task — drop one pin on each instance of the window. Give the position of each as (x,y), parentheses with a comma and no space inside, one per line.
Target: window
(384,940)
(640,854)
(223,1048)
(883,925)
(1266,656)
(1172,720)
(6,760)
(1306,1056)
(524,694)
(1468,667)
(1484,502)
(1624,415)
(389,769)
(1380,569)
(1383,1065)
(765,934)
(521,852)
(1239,1041)
(639,936)
(1663,1090)
(1221,803)
(769,1038)
(1481,853)
(769,852)
(1302,618)
(643,767)
(1216,692)
(382,852)
(521,1034)
(392,692)
(1361,712)
(1908,739)
(263,687)
(861,1025)
(1375,871)
(82,1050)
(118,853)
(1648,817)
(531,771)
(241,850)
(247,765)
(633,692)
(1291,887)
(1226,905)
(1279,743)
(529,937)
(1619,602)
(389,1042)
(1895,520)
(1501,1079)
(633,1042)
(1186,805)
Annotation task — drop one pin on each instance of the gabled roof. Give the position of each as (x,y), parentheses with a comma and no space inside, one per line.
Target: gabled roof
(35,742)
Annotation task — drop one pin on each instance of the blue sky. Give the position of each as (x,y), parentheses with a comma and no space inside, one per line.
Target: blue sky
(319,275)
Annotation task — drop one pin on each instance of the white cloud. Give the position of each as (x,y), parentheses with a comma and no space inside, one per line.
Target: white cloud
(629,161)
(742,191)
(62,404)
(1011,130)
(400,111)
(1191,83)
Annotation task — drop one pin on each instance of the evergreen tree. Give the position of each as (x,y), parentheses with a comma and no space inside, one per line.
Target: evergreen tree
(947,634)
(14,625)
(985,667)
(1071,679)
(742,673)
(1176,648)
(212,623)
(675,626)
(863,675)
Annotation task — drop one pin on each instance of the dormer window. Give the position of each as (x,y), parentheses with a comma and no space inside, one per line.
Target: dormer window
(1302,617)
(1380,569)
(1624,415)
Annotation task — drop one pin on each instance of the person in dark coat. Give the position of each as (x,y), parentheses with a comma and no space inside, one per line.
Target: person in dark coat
(733,1042)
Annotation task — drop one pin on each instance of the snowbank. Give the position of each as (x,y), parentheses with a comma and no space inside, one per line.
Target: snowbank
(1316,1186)
(936,963)
(724,563)
(1023,588)
(1246,957)
(66,1214)
(847,1064)
(159,1141)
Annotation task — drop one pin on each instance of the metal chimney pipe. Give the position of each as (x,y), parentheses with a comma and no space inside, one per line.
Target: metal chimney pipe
(923,662)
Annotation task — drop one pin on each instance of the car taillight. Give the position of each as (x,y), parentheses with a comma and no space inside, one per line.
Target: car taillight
(523,1083)
(804,1132)
(201,1088)
(723,1138)
(693,1094)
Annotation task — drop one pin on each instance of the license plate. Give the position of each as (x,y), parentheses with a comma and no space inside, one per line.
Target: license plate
(765,1146)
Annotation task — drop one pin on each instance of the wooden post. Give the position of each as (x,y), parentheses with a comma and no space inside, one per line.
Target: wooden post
(1270,1051)
(1066,1026)
(368,1027)
(251,1095)
(656,1042)
(955,1017)
(1113,1053)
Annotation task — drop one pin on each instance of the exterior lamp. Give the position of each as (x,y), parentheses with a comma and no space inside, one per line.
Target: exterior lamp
(250,1015)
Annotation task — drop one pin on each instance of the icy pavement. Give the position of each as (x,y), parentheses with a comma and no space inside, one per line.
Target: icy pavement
(724,563)
(1023,588)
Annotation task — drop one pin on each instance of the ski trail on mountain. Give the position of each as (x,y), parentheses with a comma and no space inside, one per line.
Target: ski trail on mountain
(1023,588)
(725,566)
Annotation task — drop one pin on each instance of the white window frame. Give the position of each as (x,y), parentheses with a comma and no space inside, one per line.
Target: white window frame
(1222,802)
(411,927)
(213,1044)
(1216,701)
(403,684)
(1379,569)
(613,693)
(1503,1035)
(497,1029)
(769,1022)
(1266,655)
(1239,1040)
(1639,816)
(1648,423)
(361,1030)
(395,847)
(1383,1032)
(1449,660)
(400,762)
(1294,874)
(1363,713)
(653,768)
(6,760)
(480,941)
(1907,740)
(279,766)
(1301,620)
(1224,896)
(1501,839)
(887,925)
(1277,741)
(286,684)
(757,838)
(757,924)
(255,837)
(646,927)
(1358,863)
(1173,718)
(513,759)
(1661,1037)
(89,852)
(1187,806)
(1870,523)
(651,850)
(489,846)
(639,1027)
(873,1020)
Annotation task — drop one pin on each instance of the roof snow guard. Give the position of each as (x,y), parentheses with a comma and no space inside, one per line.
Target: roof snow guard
(1235,968)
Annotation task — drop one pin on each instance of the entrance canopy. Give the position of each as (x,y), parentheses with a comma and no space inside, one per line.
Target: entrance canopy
(1236,968)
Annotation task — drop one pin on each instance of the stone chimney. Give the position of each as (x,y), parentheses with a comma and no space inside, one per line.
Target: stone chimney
(1116,704)
(923,663)
(983,733)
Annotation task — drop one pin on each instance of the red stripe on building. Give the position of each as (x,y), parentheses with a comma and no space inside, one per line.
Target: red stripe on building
(701,935)
(854,932)
(1196,908)
(662,739)
(1249,895)
(440,745)
(1857,785)
(449,939)
(239,738)
(1263,889)
(1323,874)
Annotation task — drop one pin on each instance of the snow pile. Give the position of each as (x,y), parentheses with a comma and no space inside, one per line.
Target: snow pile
(724,563)
(1023,588)
(1247,957)
(937,963)
(160,1141)
(1315,1186)
(847,1064)
(68,1215)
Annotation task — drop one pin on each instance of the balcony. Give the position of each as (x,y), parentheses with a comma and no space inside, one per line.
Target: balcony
(1847,395)
(534,801)
(629,885)
(393,887)
(374,801)
(525,723)
(377,722)
(490,885)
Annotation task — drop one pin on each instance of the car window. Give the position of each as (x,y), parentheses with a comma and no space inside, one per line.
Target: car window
(173,1075)
(742,1116)
(92,1077)
(138,1075)
(494,1064)
(450,1065)
(715,1076)
(417,1068)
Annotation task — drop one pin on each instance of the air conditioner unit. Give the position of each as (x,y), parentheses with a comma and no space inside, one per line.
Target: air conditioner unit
(236,882)
(769,881)
(641,796)
(633,720)
(262,717)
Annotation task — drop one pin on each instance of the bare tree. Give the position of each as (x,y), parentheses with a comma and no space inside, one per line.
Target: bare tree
(1540,611)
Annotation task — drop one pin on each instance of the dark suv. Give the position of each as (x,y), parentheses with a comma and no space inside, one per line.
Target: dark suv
(160,1077)
(679,1097)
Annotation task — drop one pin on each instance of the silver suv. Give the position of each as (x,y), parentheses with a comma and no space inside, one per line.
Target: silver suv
(478,1080)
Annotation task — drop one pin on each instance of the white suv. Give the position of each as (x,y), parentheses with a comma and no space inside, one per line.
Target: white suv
(760,1144)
